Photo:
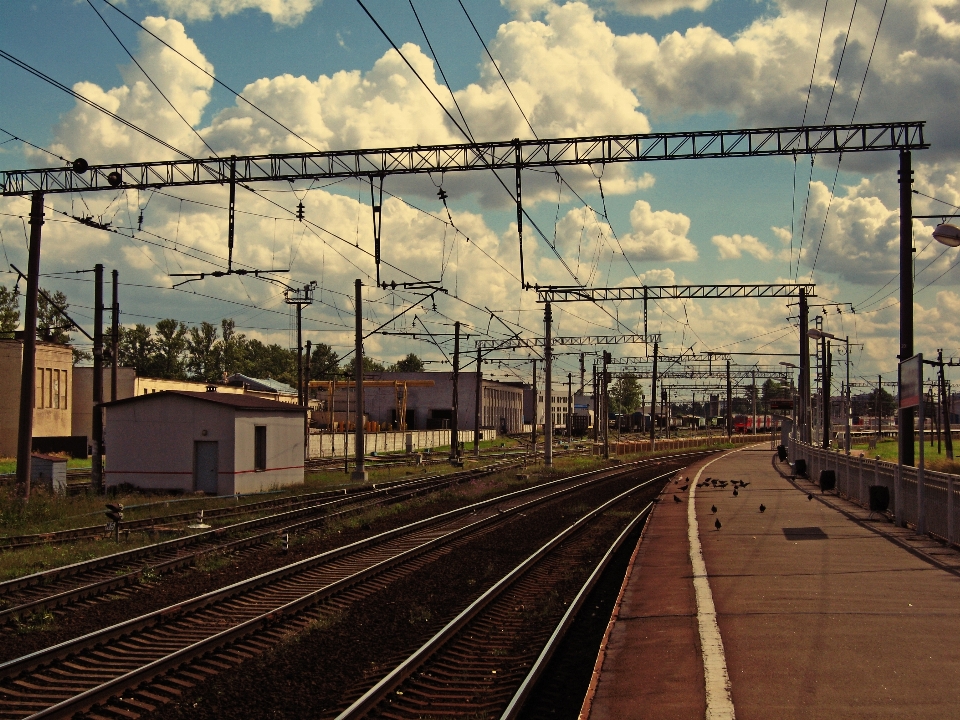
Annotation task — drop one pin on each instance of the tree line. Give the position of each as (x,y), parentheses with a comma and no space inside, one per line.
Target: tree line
(172,350)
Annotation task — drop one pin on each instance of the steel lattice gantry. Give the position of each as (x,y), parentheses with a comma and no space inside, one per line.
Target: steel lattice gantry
(571,293)
(511,155)
(518,343)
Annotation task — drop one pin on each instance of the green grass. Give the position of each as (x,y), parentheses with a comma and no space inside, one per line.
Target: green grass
(888,451)
(9,465)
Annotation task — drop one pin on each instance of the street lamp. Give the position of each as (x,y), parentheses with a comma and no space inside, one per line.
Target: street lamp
(948,234)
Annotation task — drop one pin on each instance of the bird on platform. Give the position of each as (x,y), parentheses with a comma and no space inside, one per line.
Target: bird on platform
(683,488)
(809,496)
(676,499)
(708,479)
(723,483)
(713,509)
(735,492)
(763,507)
(716,524)
(743,484)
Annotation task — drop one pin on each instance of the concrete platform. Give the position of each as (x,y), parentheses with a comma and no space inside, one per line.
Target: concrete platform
(819,611)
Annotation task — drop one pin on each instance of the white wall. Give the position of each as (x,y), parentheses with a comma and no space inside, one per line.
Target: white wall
(284,453)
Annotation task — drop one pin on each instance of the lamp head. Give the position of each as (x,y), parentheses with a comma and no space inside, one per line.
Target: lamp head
(947,234)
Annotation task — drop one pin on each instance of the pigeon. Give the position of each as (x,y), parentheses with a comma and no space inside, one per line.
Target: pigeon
(762,507)
(676,499)
(683,489)
(716,524)
(735,492)
(724,483)
(743,484)
(809,496)
(713,509)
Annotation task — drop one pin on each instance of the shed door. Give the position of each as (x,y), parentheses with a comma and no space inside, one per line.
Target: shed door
(206,466)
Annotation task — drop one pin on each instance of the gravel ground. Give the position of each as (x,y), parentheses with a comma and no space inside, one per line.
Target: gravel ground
(319,672)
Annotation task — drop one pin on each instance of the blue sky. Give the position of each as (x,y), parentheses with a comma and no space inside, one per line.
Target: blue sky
(734,63)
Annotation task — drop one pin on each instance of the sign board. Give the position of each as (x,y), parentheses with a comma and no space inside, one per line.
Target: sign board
(911,381)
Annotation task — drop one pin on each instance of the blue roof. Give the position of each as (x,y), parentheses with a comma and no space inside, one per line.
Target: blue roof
(262,384)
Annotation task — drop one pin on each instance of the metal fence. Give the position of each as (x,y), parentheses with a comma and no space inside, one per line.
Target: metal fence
(856,473)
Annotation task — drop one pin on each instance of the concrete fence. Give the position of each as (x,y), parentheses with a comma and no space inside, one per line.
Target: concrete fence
(856,473)
(639,446)
(330,445)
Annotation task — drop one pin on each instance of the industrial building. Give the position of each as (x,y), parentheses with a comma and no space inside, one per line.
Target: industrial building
(53,401)
(427,403)
(212,442)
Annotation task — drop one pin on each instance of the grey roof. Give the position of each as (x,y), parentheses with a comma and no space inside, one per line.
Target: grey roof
(262,384)
(238,401)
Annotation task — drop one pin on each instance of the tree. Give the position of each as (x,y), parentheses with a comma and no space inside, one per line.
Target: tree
(9,309)
(202,352)
(324,363)
(51,325)
(169,348)
(270,361)
(136,348)
(411,363)
(231,350)
(625,393)
(369,366)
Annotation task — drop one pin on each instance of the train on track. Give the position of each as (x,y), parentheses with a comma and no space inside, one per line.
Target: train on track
(765,423)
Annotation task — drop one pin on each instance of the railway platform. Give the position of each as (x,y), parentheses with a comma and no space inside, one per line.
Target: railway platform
(809,609)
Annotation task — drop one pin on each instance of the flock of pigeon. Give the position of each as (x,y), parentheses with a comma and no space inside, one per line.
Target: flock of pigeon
(737,485)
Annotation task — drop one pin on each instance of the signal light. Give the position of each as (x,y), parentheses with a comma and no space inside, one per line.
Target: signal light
(114,179)
(114,512)
(80,166)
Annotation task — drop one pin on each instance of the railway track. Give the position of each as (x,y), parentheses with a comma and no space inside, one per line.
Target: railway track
(58,587)
(128,669)
(486,660)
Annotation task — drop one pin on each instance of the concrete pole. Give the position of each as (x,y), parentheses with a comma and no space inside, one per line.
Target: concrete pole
(804,383)
(548,387)
(653,398)
(569,407)
(596,405)
(582,372)
(28,367)
(879,408)
(605,403)
(729,404)
(945,408)
(847,408)
(306,402)
(96,464)
(114,336)
(300,393)
(536,407)
(921,484)
(825,391)
(906,294)
(479,406)
(455,400)
(754,402)
(359,473)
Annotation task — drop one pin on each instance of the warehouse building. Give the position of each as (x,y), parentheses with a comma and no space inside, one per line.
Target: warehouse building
(212,442)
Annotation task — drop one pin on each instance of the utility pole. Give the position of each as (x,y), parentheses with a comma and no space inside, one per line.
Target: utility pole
(359,473)
(569,407)
(548,387)
(300,392)
(536,408)
(115,336)
(825,401)
(729,404)
(804,383)
(879,408)
(455,405)
(478,406)
(582,372)
(28,365)
(596,405)
(653,396)
(754,402)
(945,408)
(306,402)
(96,465)
(605,404)
(847,409)
(906,295)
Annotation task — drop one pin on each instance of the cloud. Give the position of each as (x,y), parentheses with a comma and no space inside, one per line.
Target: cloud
(659,8)
(282,12)
(658,235)
(733,246)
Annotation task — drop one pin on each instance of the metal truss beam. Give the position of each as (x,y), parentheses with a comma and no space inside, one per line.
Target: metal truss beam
(509,155)
(516,343)
(701,373)
(556,293)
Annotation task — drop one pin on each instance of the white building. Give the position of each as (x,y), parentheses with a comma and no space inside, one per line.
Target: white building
(204,441)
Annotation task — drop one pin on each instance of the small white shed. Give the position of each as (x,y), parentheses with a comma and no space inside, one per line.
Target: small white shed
(49,472)
(204,441)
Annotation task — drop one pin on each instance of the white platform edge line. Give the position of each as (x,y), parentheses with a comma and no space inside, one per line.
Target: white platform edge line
(715,675)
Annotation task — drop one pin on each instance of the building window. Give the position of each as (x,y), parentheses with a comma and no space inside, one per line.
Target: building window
(55,390)
(260,448)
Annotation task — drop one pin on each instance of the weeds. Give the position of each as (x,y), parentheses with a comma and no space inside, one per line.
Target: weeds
(40,621)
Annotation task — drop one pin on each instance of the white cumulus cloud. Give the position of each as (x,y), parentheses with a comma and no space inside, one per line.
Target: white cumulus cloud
(733,246)
(283,12)
(658,8)
(658,235)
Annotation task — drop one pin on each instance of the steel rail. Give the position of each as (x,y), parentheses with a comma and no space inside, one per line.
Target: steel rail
(509,155)
(378,693)
(114,581)
(546,654)
(152,621)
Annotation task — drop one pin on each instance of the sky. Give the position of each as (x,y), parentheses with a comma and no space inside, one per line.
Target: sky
(325,71)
